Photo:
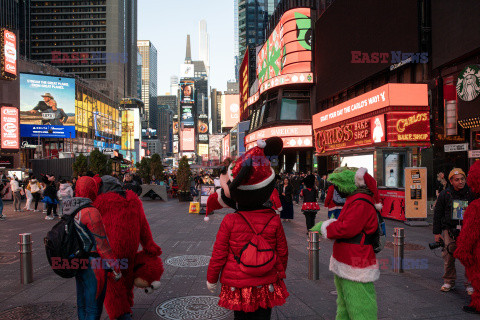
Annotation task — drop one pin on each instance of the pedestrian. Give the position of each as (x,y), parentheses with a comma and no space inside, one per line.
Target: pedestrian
(468,242)
(446,227)
(334,201)
(29,196)
(35,189)
(310,205)
(2,192)
(286,193)
(64,192)
(51,200)
(323,187)
(296,185)
(250,290)
(275,201)
(130,184)
(91,283)
(353,261)
(17,195)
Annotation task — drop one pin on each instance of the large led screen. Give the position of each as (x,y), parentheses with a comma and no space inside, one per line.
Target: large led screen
(187,91)
(47,106)
(230,110)
(289,47)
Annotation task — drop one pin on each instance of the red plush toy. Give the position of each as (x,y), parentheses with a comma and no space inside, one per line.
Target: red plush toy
(468,242)
(127,228)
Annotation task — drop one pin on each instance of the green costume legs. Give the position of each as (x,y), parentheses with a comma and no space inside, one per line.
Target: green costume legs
(355,300)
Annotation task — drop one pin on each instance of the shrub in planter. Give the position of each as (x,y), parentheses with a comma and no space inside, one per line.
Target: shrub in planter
(183,179)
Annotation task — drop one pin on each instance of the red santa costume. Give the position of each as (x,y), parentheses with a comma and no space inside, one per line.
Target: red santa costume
(468,242)
(249,186)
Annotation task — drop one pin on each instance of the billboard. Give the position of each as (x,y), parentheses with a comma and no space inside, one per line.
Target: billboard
(230,110)
(8,64)
(187,140)
(175,127)
(149,133)
(215,146)
(288,48)
(244,83)
(226,147)
(10,131)
(47,106)
(102,116)
(187,70)
(186,115)
(128,130)
(408,126)
(203,150)
(202,128)
(187,91)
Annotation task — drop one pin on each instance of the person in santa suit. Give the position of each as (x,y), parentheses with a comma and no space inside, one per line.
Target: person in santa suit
(246,187)
(310,205)
(468,242)
(353,260)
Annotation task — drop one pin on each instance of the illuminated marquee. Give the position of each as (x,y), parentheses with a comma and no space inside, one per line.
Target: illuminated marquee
(408,127)
(8,54)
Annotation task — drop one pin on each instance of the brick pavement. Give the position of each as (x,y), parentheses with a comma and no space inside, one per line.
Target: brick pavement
(412,295)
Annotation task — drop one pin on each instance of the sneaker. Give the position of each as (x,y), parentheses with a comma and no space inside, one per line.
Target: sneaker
(49,218)
(469,309)
(469,290)
(446,287)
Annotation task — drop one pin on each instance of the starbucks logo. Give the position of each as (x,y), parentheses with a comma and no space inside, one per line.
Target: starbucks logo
(468,84)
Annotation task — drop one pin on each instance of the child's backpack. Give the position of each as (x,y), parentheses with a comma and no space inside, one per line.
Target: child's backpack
(64,247)
(257,257)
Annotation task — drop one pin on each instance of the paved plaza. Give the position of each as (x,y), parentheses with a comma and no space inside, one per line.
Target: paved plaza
(187,241)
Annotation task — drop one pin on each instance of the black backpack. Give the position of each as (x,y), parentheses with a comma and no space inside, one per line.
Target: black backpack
(63,243)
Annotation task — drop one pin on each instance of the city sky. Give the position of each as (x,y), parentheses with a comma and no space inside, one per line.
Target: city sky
(167,23)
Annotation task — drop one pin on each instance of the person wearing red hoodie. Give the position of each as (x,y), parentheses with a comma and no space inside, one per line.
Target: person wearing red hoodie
(248,184)
(91,282)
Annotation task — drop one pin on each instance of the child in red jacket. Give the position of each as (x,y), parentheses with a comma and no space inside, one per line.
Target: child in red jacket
(249,182)
(310,205)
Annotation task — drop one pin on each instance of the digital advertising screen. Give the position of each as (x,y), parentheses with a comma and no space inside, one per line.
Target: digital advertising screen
(128,131)
(202,124)
(215,146)
(149,133)
(186,115)
(8,65)
(187,140)
(243,85)
(288,49)
(187,91)
(230,110)
(47,106)
(10,131)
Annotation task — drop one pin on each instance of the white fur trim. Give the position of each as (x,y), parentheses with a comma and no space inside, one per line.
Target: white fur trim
(280,209)
(261,143)
(324,227)
(220,200)
(206,219)
(359,180)
(379,206)
(259,185)
(364,275)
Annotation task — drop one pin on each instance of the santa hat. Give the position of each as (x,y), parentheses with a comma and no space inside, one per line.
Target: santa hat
(364,179)
(252,171)
(214,202)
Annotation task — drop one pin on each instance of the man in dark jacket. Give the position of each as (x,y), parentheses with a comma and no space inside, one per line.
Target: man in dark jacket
(447,229)
(130,184)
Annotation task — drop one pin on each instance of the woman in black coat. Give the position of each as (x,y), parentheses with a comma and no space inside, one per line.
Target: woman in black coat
(286,193)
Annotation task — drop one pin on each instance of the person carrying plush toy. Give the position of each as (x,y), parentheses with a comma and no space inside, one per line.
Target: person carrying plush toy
(251,290)
(353,260)
(310,205)
(468,242)
(127,228)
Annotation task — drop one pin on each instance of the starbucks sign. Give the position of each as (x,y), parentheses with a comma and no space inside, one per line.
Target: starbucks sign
(468,84)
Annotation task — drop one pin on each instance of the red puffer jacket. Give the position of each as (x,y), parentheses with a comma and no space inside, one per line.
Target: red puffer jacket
(234,233)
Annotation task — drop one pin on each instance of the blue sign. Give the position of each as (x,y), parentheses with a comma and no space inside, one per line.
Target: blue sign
(34,131)
(103,144)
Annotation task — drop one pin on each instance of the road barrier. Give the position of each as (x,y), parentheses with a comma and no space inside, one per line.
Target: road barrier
(26,263)
(398,249)
(313,248)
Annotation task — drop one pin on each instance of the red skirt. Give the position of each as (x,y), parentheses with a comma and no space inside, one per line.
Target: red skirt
(310,206)
(249,299)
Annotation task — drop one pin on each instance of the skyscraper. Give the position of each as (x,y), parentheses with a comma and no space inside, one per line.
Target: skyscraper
(173,85)
(252,20)
(95,40)
(204,45)
(9,17)
(236,54)
(149,77)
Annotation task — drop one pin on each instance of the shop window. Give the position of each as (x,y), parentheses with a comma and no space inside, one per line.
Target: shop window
(394,168)
(292,109)
(358,161)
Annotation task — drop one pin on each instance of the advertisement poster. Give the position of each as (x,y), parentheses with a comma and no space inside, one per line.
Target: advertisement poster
(416,193)
(186,116)
(47,106)
(392,168)
(230,110)
(187,92)
(9,65)
(203,151)
(10,131)
(215,146)
(288,48)
(187,140)
(378,131)
(202,124)
(128,122)
(205,192)
(393,204)
(243,85)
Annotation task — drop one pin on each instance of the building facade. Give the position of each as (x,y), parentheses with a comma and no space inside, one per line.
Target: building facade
(204,45)
(149,77)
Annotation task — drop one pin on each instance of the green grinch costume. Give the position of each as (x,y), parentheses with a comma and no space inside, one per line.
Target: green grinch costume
(353,260)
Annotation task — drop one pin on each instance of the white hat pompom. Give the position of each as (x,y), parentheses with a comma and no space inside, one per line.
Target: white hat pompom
(206,219)
(261,143)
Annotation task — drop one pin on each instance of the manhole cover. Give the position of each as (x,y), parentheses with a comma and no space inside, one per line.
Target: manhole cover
(188,261)
(407,246)
(8,257)
(192,307)
(40,312)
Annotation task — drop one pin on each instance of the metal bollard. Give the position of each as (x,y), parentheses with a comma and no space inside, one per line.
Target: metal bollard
(313,248)
(398,249)
(26,265)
